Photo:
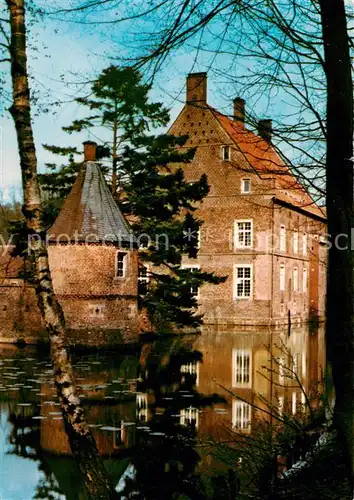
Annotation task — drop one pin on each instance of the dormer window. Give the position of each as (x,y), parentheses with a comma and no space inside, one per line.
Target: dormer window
(226,153)
(245,185)
(121,264)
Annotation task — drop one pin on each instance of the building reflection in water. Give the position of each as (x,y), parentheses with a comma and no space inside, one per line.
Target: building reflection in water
(155,412)
(255,371)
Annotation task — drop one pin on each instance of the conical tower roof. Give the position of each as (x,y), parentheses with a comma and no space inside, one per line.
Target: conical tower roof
(90,213)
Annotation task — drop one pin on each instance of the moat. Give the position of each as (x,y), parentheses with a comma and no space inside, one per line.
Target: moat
(169,419)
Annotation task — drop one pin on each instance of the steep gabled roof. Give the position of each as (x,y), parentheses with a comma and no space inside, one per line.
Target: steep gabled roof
(90,213)
(267,163)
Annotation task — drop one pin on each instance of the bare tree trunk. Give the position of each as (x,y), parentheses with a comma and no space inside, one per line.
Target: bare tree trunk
(81,441)
(340,296)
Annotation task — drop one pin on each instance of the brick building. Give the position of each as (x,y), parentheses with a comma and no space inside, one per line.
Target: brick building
(261,228)
(93,258)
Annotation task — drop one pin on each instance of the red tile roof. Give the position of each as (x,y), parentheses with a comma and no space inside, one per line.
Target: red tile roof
(267,163)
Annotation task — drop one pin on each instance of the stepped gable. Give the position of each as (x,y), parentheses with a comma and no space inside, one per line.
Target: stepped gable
(90,213)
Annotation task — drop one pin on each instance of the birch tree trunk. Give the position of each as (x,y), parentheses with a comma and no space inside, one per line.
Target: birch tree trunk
(81,441)
(339,166)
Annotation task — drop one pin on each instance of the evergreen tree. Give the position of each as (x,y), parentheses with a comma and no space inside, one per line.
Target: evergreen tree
(146,177)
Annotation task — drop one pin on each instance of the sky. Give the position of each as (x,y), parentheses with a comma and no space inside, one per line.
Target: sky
(79,56)
(25,474)
(63,55)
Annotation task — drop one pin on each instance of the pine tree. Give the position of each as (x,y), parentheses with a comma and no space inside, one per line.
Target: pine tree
(146,177)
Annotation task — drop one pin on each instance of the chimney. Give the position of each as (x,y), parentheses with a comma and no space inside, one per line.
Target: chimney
(239,111)
(90,151)
(197,87)
(265,129)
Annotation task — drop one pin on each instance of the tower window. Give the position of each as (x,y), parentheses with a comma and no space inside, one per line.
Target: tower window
(226,153)
(121,264)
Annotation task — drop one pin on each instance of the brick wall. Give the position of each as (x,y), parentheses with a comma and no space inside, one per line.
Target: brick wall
(99,308)
(224,205)
(19,313)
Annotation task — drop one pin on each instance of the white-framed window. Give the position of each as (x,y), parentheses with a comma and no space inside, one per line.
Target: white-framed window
(293,402)
(304,244)
(189,417)
(226,153)
(243,281)
(194,287)
(304,279)
(295,279)
(121,264)
(296,241)
(241,367)
(191,369)
(243,234)
(282,277)
(245,185)
(241,415)
(142,406)
(143,279)
(282,240)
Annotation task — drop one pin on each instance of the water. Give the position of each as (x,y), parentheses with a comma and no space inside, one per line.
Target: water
(169,420)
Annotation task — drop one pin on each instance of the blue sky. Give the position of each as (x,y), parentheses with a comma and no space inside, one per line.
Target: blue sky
(78,54)
(75,53)
(78,57)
